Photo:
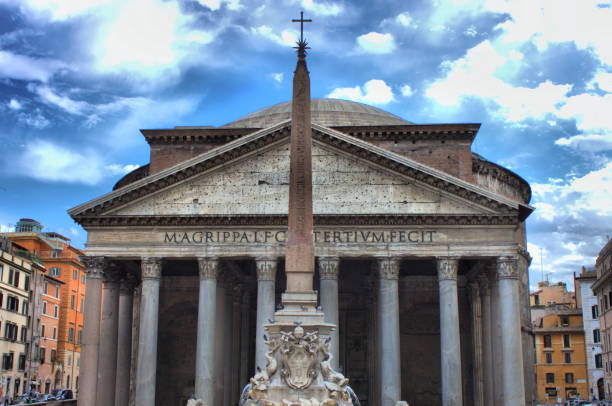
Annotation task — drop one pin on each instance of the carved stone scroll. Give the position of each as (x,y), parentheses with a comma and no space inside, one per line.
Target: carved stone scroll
(447,268)
(507,268)
(209,268)
(328,267)
(151,268)
(266,268)
(388,268)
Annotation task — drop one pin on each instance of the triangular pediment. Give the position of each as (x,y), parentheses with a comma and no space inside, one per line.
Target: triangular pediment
(250,177)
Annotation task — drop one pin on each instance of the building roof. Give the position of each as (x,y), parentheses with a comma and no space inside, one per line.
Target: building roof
(325,112)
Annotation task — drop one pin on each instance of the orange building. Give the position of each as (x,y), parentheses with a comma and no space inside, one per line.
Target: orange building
(62,262)
(561,370)
(49,371)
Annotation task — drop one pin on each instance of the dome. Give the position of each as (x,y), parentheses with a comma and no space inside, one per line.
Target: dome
(325,112)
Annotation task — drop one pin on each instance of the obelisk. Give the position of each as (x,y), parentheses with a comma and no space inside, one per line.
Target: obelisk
(299,260)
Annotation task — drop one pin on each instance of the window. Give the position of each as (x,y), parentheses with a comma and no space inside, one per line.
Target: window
(71,335)
(1,271)
(7,361)
(24,334)
(83,278)
(596,335)
(568,357)
(598,363)
(569,377)
(549,357)
(16,279)
(46,289)
(595,311)
(551,392)
(44,307)
(610,296)
(54,335)
(75,274)
(53,355)
(55,311)
(72,302)
(1,299)
(55,271)
(42,330)
(57,291)
(24,307)
(550,378)
(12,303)
(80,337)
(42,355)
(22,362)
(564,320)
(69,360)
(536,299)
(81,305)
(10,331)
(547,341)
(566,340)
(11,275)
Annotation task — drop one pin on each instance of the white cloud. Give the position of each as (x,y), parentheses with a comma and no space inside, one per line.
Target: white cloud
(404,19)
(406,90)
(572,220)
(376,43)
(23,67)
(277,77)
(151,42)
(216,4)
(480,74)
(46,161)
(604,81)
(591,112)
(286,37)
(14,104)
(374,91)
(92,112)
(34,119)
(471,31)
(58,10)
(587,142)
(322,8)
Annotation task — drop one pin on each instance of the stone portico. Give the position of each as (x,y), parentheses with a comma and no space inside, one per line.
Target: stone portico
(421,263)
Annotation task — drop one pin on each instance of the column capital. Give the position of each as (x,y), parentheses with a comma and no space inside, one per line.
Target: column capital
(266,268)
(208,268)
(150,267)
(94,266)
(507,267)
(388,268)
(328,267)
(447,268)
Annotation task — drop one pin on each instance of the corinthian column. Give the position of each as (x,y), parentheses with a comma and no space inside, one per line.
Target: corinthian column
(107,363)
(147,339)
(476,310)
(388,331)
(266,276)
(513,382)
(328,275)
(450,340)
(487,356)
(205,346)
(91,331)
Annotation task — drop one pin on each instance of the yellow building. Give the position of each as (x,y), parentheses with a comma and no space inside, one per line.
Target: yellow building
(561,370)
(548,294)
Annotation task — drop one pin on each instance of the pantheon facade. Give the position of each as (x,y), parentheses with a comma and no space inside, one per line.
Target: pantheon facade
(420,248)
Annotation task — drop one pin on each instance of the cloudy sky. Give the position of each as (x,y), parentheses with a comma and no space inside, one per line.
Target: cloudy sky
(78,79)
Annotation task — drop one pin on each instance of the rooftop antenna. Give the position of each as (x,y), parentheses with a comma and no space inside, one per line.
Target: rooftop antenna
(542,265)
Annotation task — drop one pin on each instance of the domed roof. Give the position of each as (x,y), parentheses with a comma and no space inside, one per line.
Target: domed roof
(326,112)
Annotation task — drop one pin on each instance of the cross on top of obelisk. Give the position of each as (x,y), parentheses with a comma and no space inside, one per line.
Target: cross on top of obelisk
(302,44)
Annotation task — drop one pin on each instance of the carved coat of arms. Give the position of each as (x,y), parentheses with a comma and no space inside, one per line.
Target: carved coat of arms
(299,358)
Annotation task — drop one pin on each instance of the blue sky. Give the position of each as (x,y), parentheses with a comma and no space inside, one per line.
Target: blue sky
(78,79)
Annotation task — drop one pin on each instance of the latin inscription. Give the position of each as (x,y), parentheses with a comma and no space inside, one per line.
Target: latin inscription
(320,237)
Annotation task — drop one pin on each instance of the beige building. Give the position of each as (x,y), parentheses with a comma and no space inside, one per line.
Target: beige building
(603,289)
(550,294)
(15,338)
